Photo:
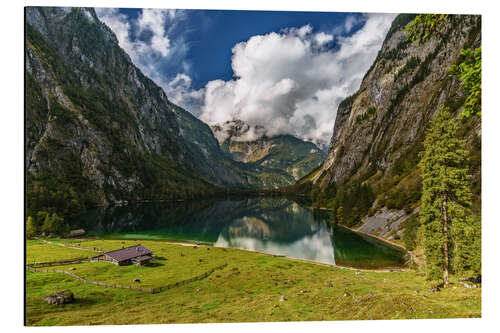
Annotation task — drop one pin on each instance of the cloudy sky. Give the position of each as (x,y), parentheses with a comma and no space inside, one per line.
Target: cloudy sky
(286,71)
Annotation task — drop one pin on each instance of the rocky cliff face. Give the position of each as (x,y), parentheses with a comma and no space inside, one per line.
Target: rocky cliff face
(96,126)
(282,152)
(379,130)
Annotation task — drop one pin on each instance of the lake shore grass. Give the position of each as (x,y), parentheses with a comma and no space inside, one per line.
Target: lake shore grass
(253,287)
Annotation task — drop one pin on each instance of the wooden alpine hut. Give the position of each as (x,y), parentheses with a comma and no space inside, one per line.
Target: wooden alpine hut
(136,254)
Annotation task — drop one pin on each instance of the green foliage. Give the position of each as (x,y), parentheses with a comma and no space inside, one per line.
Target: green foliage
(31,228)
(355,200)
(468,73)
(53,224)
(445,179)
(467,260)
(424,26)
(410,232)
(404,197)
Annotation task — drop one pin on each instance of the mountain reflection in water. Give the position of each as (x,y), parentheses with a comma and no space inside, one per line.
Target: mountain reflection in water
(271,225)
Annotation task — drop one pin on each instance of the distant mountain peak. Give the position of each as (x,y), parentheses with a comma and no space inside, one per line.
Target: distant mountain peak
(238,130)
(252,144)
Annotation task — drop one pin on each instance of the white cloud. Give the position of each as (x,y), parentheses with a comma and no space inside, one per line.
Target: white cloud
(350,22)
(322,38)
(287,84)
(149,43)
(179,91)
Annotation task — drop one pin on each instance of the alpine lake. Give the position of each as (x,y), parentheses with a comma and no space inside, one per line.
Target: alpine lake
(276,226)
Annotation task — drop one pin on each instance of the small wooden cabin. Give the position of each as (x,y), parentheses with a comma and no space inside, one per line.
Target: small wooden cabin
(137,254)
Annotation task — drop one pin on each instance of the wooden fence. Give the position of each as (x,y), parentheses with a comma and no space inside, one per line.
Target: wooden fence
(149,290)
(183,282)
(60,262)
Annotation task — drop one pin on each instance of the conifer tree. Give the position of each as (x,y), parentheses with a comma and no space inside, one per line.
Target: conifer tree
(446,195)
(340,215)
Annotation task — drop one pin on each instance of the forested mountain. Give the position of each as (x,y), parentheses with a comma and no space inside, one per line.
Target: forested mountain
(99,131)
(283,152)
(371,169)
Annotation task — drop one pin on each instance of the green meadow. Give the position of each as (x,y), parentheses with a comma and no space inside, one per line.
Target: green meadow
(253,287)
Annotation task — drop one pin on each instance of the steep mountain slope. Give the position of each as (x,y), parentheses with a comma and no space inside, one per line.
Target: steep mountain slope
(99,131)
(374,152)
(283,152)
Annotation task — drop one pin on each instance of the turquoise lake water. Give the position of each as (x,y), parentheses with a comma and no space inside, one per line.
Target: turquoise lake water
(271,225)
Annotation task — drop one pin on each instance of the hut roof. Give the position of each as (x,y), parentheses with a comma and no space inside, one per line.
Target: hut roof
(142,258)
(129,252)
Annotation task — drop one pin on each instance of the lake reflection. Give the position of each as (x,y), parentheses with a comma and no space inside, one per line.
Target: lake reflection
(270,225)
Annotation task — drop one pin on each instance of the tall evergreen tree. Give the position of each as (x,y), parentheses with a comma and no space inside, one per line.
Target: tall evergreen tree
(446,195)
(340,215)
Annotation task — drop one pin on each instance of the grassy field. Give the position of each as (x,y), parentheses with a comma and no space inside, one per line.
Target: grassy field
(250,288)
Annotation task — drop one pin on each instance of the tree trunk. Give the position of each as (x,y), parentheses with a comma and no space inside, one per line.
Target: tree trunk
(445,245)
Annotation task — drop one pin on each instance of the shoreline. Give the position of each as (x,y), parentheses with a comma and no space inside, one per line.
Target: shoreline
(402,247)
(192,244)
(378,238)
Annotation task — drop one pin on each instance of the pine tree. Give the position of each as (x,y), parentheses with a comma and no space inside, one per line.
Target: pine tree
(446,195)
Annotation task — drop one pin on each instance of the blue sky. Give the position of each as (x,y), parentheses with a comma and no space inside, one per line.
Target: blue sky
(287,71)
(211,34)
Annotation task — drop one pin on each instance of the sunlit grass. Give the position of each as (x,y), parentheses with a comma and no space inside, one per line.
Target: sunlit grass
(248,289)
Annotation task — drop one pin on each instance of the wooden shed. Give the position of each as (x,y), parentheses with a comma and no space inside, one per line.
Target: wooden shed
(136,254)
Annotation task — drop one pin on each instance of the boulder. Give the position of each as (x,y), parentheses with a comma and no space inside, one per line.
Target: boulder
(75,233)
(59,297)
(282,298)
